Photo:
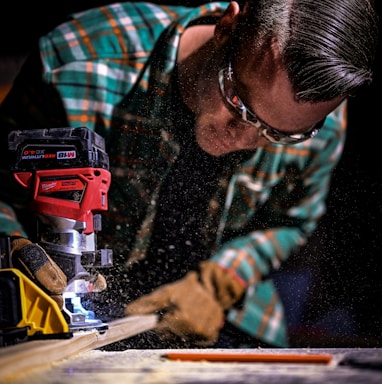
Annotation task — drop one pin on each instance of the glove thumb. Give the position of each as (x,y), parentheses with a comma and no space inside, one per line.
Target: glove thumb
(159,300)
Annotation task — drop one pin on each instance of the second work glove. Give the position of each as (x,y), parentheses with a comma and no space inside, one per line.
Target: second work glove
(36,264)
(192,308)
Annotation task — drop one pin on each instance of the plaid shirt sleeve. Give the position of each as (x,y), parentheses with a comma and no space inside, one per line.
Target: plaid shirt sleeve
(96,58)
(9,223)
(102,56)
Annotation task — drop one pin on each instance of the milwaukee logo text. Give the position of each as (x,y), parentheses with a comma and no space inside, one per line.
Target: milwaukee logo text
(66,155)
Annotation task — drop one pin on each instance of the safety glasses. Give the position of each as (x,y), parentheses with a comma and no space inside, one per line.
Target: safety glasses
(234,103)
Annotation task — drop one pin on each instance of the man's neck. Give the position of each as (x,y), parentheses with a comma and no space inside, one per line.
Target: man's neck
(195,48)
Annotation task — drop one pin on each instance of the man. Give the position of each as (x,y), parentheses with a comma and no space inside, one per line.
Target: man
(223,124)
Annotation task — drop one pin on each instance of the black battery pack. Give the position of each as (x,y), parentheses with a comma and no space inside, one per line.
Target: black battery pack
(56,148)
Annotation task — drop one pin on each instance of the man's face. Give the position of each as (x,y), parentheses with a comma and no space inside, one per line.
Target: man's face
(263,89)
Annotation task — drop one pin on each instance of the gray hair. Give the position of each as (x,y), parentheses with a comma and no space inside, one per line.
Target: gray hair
(328,47)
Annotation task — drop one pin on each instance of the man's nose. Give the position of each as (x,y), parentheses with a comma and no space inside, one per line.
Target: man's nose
(234,128)
(246,136)
(238,128)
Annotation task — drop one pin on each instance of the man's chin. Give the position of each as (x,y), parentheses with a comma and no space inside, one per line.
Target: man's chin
(213,150)
(213,147)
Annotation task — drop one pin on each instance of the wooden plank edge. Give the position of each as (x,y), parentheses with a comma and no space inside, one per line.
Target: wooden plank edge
(37,354)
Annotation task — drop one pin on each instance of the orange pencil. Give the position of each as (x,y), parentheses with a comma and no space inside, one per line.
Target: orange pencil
(251,357)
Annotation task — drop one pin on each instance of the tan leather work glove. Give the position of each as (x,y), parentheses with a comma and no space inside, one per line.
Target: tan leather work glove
(36,264)
(193,307)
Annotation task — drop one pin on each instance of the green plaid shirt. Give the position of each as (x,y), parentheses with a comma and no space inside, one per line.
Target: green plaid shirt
(111,67)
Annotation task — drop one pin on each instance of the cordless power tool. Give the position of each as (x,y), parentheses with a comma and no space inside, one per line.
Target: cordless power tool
(66,171)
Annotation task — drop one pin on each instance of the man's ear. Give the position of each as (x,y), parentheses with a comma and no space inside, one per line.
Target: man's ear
(227,24)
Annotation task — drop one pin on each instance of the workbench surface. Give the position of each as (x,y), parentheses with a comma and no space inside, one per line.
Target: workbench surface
(149,366)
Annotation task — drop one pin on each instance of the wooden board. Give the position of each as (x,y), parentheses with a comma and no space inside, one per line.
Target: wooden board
(39,353)
(148,366)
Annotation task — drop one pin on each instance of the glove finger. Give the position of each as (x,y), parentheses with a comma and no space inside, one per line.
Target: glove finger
(156,301)
(173,326)
(97,283)
(59,300)
(165,333)
(33,260)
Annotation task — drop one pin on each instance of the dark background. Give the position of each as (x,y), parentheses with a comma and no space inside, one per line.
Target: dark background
(333,287)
